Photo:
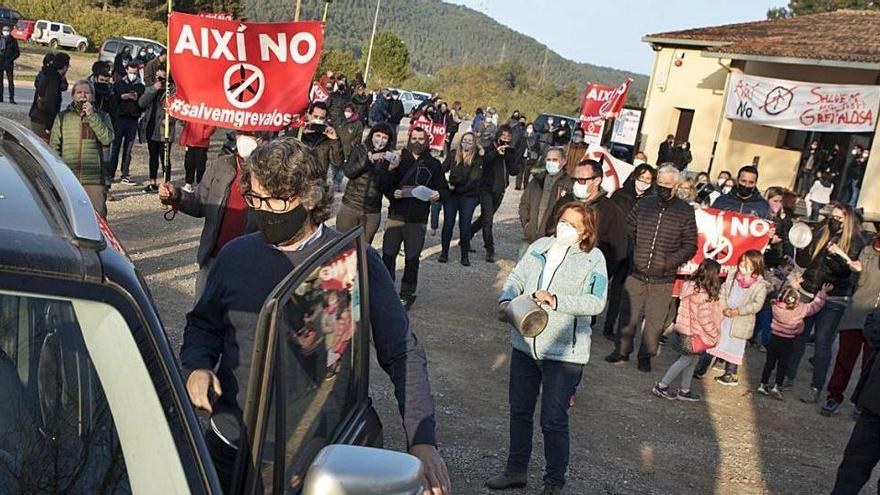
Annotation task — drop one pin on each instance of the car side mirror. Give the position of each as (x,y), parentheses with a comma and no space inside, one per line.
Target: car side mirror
(350,470)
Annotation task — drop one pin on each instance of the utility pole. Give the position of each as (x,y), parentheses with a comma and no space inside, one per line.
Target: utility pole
(372,37)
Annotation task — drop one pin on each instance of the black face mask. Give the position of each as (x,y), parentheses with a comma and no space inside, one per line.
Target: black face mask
(416,148)
(744,192)
(278,228)
(834,226)
(665,193)
(77,107)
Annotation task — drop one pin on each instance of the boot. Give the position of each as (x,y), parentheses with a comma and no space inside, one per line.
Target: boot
(464,260)
(507,480)
(490,256)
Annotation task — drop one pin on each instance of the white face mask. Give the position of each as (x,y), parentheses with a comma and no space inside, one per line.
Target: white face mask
(726,189)
(581,191)
(348,115)
(566,234)
(638,161)
(379,143)
(245,145)
(316,121)
(553,167)
(865,154)
(577,139)
(642,186)
(855,152)
(132,77)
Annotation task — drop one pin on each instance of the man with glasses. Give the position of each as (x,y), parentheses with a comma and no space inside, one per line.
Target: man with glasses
(663,232)
(587,188)
(287,191)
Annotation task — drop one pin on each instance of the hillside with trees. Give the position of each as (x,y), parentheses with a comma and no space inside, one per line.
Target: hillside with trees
(440,34)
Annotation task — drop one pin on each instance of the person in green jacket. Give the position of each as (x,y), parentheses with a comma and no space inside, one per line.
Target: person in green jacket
(78,135)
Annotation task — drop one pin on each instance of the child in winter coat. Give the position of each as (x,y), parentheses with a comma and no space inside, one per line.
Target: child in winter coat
(742,297)
(696,326)
(788,322)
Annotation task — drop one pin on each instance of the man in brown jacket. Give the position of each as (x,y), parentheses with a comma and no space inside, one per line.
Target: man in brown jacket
(541,194)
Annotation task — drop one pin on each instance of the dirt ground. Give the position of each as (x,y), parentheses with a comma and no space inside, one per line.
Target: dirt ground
(623,440)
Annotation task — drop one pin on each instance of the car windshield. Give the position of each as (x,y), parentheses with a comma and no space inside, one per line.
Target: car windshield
(21,25)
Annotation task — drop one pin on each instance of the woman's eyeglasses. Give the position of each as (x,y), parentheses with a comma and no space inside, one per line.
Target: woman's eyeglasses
(271,203)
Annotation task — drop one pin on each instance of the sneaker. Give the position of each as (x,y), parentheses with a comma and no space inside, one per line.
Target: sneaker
(615,358)
(831,408)
(151,188)
(662,392)
(811,397)
(443,258)
(645,365)
(776,393)
(507,480)
(188,188)
(727,379)
(762,389)
(688,396)
(127,181)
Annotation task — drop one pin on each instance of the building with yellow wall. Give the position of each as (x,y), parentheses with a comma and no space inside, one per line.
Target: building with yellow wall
(689,85)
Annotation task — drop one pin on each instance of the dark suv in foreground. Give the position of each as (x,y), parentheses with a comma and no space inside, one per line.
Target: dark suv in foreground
(91,399)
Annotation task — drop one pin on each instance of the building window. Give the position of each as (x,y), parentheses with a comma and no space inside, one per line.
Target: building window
(794,140)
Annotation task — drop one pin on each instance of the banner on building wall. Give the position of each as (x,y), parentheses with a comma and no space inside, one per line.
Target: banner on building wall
(626,127)
(802,106)
(243,75)
(724,236)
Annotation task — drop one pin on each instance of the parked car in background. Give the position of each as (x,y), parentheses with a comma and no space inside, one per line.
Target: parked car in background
(91,397)
(540,121)
(412,99)
(23,30)
(58,35)
(112,46)
(9,17)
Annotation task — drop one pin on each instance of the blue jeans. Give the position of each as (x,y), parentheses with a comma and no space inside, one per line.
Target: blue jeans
(854,197)
(557,382)
(436,207)
(815,209)
(824,323)
(336,171)
(463,207)
(123,140)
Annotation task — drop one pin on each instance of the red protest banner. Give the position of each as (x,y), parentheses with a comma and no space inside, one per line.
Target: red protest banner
(436,130)
(602,102)
(318,93)
(244,75)
(724,236)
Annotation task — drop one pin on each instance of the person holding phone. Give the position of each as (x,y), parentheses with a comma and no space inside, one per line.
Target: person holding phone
(78,135)
(126,92)
(499,164)
(322,138)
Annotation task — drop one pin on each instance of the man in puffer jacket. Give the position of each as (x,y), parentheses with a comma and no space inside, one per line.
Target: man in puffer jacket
(78,135)
(663,236)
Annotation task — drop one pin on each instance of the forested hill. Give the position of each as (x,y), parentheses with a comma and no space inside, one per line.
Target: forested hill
(439,34)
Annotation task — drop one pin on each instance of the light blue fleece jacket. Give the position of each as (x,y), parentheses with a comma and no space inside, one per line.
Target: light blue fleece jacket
(580,285)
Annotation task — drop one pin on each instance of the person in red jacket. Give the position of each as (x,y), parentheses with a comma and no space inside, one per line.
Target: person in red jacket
(196,138)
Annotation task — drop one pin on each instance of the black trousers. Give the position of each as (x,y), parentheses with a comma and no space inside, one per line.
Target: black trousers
(779,351)
(194,164)
(489,204)
(9,78)
(412,236)
(861,455)
(524,175)
(157,157)
(654,300)
(615,296)
(224,459)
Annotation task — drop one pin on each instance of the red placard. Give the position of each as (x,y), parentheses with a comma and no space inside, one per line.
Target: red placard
(724,236)
(602,102)
(436,130)
(243,75)
(318,93)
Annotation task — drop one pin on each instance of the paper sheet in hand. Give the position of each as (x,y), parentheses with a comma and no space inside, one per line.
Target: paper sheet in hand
(421,192)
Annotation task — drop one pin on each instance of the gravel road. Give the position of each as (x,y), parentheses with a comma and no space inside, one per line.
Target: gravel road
(624,440)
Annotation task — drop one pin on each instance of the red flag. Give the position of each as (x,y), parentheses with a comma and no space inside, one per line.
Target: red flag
(243,75)
(602,102)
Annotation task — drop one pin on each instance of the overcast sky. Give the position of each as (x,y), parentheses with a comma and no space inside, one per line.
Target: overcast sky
(609,33)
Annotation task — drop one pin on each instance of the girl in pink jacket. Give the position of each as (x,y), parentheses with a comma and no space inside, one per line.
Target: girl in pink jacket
(788,322)
(696,326)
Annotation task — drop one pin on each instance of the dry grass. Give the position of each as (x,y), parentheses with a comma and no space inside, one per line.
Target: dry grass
(28,65)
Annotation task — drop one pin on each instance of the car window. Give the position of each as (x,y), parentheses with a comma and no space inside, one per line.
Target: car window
(54,27)
(56,429)
(41,25)
(68,30)
(316,326)
(21,25)
(111,46)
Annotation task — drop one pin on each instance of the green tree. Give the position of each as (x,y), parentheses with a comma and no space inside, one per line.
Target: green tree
(390,58)
(806,7)
(339,61)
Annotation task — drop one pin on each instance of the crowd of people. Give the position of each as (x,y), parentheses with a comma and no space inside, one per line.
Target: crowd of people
(584,251)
